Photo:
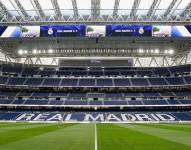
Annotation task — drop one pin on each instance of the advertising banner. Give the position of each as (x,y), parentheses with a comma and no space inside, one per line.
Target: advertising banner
(63,31)
(129,30)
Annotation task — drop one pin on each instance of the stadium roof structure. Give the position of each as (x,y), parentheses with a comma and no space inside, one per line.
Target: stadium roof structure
(94,11)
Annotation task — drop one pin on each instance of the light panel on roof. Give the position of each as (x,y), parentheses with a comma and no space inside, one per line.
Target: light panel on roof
(182,5)
(47,7)
(84,6)
(107,7)
(164,4)
(27,5)
(10,7)
(125,6)
(66,7)
(144,7)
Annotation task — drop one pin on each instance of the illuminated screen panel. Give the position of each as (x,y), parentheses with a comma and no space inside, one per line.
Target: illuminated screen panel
(30,31)
(95,31)
(162,31)
(63,31)
(18,32)
(129,30)
(181,31)
(10,31)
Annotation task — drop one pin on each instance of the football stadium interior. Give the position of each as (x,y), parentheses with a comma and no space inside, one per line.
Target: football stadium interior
(95,74)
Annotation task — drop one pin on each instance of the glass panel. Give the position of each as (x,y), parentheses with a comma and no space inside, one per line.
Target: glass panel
(84,7)
(27,5)
(162,7)
(66,7)
(10,7)
(182,5)
(107,7)
(47,7)
(144,6)
(125,7)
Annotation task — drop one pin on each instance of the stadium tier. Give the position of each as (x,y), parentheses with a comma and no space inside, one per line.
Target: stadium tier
(95,88)
(96,82)
(19,70)
(54,116)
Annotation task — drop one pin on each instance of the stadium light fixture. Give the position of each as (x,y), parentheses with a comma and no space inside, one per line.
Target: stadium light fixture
(50,51)
(156,51)
(166,51)
(25,52)
(171,51)
(34,51)
(141,51)
(20,52)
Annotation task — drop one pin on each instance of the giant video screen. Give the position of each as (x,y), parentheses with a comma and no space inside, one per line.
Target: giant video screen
(181,31)
(19,31)
(63,31)
(129,30)
(95,31)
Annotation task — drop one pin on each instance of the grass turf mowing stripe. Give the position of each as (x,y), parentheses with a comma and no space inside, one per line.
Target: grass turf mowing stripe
(175,127)
(170,135)
(18,126)
(114,137)
(76,137)
(27,131)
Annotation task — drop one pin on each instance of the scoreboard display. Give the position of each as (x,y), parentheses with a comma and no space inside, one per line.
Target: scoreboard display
(129,30)
(133,30)
(62,31)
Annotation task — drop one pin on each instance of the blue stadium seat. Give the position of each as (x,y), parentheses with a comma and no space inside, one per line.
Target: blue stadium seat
(56,102)
(51,82)
(87,82)
(188,79)
(139,82)
(75,102)
(33,81)
(59,94)
(155,102)
(114,102)
(16,81)
(3,80)
(135,102)
(95,103)
(36,102)
(175,81)
(132,94)
(69,82)
(157,81)
(104,82)
(121,82)
(95,73)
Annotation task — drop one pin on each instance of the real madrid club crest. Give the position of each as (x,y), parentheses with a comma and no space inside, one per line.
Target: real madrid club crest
(141,30)
(50,31)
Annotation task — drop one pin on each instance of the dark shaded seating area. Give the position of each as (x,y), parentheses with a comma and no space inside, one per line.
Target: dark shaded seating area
(98,82)
(31,102)
(20,70)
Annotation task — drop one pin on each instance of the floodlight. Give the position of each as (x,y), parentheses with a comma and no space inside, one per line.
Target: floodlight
(20,52)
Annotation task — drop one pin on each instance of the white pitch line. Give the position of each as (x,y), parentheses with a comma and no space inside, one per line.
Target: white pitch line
(95,136)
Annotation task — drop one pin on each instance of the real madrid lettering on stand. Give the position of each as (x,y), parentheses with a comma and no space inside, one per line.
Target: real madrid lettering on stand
(98,117)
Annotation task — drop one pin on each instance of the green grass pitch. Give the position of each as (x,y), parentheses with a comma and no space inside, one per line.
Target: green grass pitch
(22,136)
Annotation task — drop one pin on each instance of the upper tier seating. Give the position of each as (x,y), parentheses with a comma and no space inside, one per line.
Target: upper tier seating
(106,95)
(95,72)
(95,82)
(32,102)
